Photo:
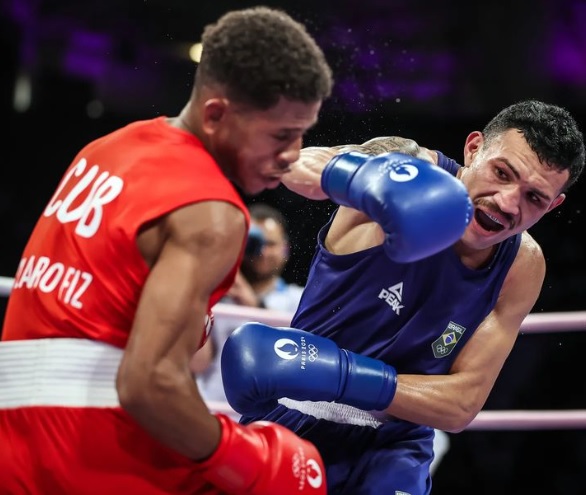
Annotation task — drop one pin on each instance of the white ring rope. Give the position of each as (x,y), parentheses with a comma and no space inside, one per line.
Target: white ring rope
(485,420)
(491,420)
(534,323)
(6,286)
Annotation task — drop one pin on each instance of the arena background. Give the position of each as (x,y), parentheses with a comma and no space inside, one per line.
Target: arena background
(432,71)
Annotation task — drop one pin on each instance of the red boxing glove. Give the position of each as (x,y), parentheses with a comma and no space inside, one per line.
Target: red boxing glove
(264,458)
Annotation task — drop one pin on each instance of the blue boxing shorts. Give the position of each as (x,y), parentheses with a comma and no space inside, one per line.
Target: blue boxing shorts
(364,453)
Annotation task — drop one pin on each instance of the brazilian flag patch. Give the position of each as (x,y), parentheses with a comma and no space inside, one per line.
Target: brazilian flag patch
(444,344)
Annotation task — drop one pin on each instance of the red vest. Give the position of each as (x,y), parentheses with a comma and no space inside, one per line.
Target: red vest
(81,273)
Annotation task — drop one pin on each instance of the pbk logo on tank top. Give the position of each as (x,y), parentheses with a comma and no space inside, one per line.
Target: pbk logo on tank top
(87,194)
(393,296)
(444,344)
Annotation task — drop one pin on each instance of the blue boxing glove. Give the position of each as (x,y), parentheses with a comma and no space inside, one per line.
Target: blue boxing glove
(261,364)
(422,208)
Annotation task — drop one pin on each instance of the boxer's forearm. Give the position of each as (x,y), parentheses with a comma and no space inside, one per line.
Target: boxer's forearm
(305,176)
(439,401)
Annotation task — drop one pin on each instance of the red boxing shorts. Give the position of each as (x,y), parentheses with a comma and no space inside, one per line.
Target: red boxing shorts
(62,430)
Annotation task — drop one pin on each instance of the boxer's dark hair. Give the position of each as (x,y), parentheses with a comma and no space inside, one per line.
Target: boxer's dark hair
(261,54)
(551,132)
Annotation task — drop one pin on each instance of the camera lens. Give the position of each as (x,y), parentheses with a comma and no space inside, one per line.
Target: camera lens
(255,241)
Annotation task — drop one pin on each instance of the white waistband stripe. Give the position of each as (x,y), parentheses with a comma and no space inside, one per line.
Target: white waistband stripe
(58,372)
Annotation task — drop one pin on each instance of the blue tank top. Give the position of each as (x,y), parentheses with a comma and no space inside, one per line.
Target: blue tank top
(415,316)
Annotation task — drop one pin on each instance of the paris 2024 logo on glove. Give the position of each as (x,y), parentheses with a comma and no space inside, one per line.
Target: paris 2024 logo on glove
(403,172)
(288,349)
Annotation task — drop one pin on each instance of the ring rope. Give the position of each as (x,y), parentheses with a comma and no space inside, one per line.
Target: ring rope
(491,420)
(485,420)
(534,323)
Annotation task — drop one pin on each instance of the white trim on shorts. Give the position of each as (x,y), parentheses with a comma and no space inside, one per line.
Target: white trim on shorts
(58,372)
(337,413)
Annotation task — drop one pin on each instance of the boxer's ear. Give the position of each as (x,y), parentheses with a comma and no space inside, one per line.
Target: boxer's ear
(556,202)
(472,146)
(214,111)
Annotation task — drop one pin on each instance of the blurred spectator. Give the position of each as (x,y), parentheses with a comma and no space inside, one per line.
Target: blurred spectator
(258,284)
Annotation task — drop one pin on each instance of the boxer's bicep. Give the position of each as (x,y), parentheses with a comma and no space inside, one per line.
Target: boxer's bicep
(202,245)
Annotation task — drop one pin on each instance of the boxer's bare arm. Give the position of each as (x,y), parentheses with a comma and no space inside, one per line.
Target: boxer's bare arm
(450,402)
(199,246)
(305,176)
(203,358)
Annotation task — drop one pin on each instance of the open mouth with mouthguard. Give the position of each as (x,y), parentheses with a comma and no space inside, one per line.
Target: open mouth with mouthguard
(487,221)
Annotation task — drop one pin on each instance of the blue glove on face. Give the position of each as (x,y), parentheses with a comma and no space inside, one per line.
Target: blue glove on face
(261,364)
(421,208)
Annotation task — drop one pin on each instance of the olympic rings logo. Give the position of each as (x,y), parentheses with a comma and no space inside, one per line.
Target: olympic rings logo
(312,353)
(441,349)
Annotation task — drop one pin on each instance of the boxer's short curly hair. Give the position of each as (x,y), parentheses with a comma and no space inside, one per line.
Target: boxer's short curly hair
(260,54)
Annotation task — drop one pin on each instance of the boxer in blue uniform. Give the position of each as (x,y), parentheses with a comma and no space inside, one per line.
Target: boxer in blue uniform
(395,335)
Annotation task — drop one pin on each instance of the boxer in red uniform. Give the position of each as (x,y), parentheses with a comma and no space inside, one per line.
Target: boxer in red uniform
(142,237)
